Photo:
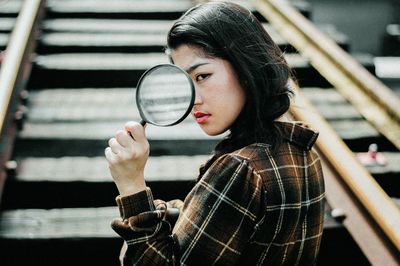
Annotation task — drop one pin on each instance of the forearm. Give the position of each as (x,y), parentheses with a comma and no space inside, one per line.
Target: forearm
(145,225)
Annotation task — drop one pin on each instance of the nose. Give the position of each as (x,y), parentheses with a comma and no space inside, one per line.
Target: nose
(198,99)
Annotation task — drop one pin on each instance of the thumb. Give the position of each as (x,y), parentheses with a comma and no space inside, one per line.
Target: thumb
(136,130)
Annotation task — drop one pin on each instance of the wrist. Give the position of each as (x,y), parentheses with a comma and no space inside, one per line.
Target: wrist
(132,187)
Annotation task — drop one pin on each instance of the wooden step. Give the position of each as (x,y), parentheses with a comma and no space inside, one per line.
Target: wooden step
(124,70)
(6,24)
(3,41)
(142,9)
(90,139)
(101,43)
(41,237)
(388,71)
(138,9)
(358,135)
(86,104)
(87,25)
(146,9)
(86,182)
(72,116)
(129,36)
(346,120)
(387,175)
(10,9)
(59,237)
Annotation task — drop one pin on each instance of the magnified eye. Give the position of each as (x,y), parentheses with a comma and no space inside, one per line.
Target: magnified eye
(202,77)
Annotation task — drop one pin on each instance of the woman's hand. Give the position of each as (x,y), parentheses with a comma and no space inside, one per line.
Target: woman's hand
(127,155)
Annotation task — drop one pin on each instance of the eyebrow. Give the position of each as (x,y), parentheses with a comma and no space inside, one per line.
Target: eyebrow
(193,67)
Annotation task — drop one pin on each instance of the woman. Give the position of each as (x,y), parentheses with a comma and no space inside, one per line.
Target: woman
(259,199)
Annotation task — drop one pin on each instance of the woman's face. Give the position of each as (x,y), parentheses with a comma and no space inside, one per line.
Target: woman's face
(219,96)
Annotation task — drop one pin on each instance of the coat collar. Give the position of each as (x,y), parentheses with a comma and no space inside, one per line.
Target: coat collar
(298,133)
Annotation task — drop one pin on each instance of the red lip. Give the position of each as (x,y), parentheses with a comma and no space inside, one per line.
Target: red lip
(199,114)
(201,118)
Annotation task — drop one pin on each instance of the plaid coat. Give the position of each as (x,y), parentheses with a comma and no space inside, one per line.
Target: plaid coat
(250,207)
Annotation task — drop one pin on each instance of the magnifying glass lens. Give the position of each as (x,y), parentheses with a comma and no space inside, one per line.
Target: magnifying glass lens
(165,95)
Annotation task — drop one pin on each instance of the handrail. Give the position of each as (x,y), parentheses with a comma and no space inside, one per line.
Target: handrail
(15,51)
(360,182)
(344,73)
(376,102)
(14,73)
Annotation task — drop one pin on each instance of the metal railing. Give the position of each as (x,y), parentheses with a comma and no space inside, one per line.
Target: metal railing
(371,216)
(14,74)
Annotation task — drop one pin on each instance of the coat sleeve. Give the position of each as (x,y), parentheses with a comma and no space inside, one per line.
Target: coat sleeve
(216,221)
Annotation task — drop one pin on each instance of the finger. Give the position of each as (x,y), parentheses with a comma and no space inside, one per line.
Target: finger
(114,145)
(110,156)
(136,130)
(123,138)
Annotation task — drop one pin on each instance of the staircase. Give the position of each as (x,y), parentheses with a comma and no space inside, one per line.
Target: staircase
(59,199)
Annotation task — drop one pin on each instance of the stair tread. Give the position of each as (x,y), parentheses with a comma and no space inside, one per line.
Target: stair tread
(57,105)
(68,223)
(107,25)
(10,7)
(95,169)
(121,61)
(133,32)
(4,39)
(102,39)
(103,61)
(392,164)
(342,116)
(118,6)
(83,113)
(58,223)
(388,67)
(6,24)
(323,95)
(158,168)
(104,130)
(345,129)
(331,104)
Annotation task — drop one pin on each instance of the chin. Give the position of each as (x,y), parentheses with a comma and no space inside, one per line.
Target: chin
(212,131)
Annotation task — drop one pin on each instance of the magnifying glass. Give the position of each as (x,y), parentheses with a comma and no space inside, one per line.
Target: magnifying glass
(164,95)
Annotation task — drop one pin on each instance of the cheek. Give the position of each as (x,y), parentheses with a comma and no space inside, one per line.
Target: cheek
(230,102)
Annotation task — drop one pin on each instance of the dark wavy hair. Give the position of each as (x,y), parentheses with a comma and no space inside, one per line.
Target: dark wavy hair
(231,32)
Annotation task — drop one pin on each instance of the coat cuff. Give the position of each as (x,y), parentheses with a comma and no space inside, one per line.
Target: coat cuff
(135,204)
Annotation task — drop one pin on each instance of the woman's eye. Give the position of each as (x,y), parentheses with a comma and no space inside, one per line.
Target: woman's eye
(202,77)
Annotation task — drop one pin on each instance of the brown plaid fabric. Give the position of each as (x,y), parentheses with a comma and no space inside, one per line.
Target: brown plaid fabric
(251,207)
